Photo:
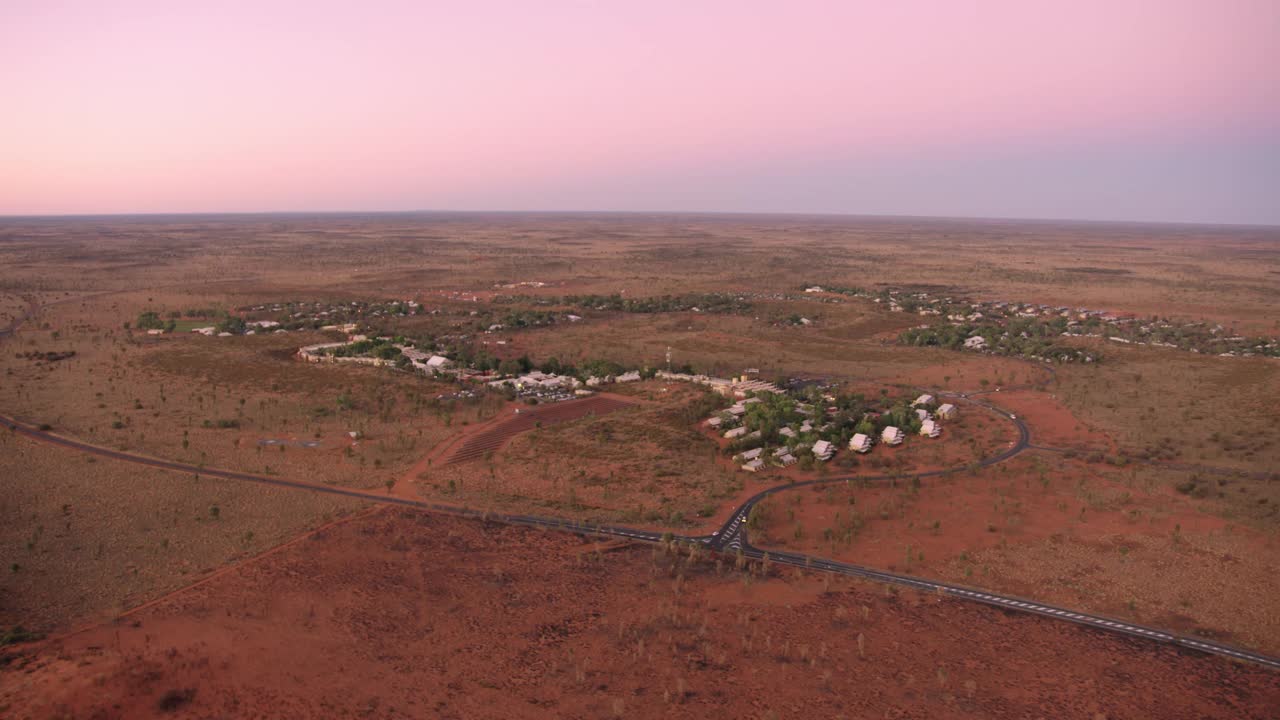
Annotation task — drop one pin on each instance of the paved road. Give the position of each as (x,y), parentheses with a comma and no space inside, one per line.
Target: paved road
(734,526)
(732,536)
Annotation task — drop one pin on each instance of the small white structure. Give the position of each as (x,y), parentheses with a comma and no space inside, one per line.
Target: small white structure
(930,428)
(923,414)
(735,433)
(754,466)
(205,330)
(860,443)
(750,455)
(787,460)
(977,342)
(438,362)
(626,377)
(925,399)
(891,436)
(714,422)
(823,450)
(947,411)
(787,432)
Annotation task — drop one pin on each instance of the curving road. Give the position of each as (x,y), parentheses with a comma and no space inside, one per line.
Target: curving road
(731,537)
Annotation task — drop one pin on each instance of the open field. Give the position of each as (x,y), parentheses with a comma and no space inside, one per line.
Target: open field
(456,620)
(84,539)
(204,400)
(1119,541)
(1183,407)
(644,464)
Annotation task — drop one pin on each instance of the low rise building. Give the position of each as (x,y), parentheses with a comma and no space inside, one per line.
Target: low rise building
(891,436)
(860,443)
(930,428)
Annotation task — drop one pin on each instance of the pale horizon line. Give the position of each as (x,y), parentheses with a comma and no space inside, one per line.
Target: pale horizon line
(687,213)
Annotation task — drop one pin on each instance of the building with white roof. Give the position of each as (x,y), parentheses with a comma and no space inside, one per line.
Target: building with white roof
(930,428)
(860,443)
(891,436)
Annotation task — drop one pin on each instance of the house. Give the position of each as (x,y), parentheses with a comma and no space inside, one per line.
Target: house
(737,410)
(750,455)
(822,450)
(860,443)
(787,432)
(438,362)
(205,330)
(925,399)
(930,428)
(922,414)
(786,460)
(735,433)
(633,376)
(754,466)
(947,411)
(806,426)
(714,422)
(977,342)
(891,436)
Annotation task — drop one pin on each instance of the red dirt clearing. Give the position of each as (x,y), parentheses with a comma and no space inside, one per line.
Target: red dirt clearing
(494,437)
(406,615)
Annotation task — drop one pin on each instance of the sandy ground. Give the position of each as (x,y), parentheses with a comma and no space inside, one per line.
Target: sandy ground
(84,538)
(1093,537)
(405,615)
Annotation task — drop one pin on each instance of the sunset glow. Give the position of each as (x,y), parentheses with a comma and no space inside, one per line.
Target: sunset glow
(1106,110)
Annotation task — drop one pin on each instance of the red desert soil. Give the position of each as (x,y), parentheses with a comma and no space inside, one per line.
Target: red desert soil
(1051,423)
(496,434)
(401,614)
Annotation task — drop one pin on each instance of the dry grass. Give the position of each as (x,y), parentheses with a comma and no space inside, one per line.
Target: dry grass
(85,538)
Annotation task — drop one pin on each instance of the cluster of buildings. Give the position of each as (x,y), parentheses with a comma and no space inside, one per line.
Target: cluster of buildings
(1064,321)
(327,316)
(419,360)
(739,387)
(730,424)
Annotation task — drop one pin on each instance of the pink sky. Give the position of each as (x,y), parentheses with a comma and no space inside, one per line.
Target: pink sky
(864,107)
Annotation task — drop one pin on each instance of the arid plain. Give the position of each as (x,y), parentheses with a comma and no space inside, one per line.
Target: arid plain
(1147,491)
